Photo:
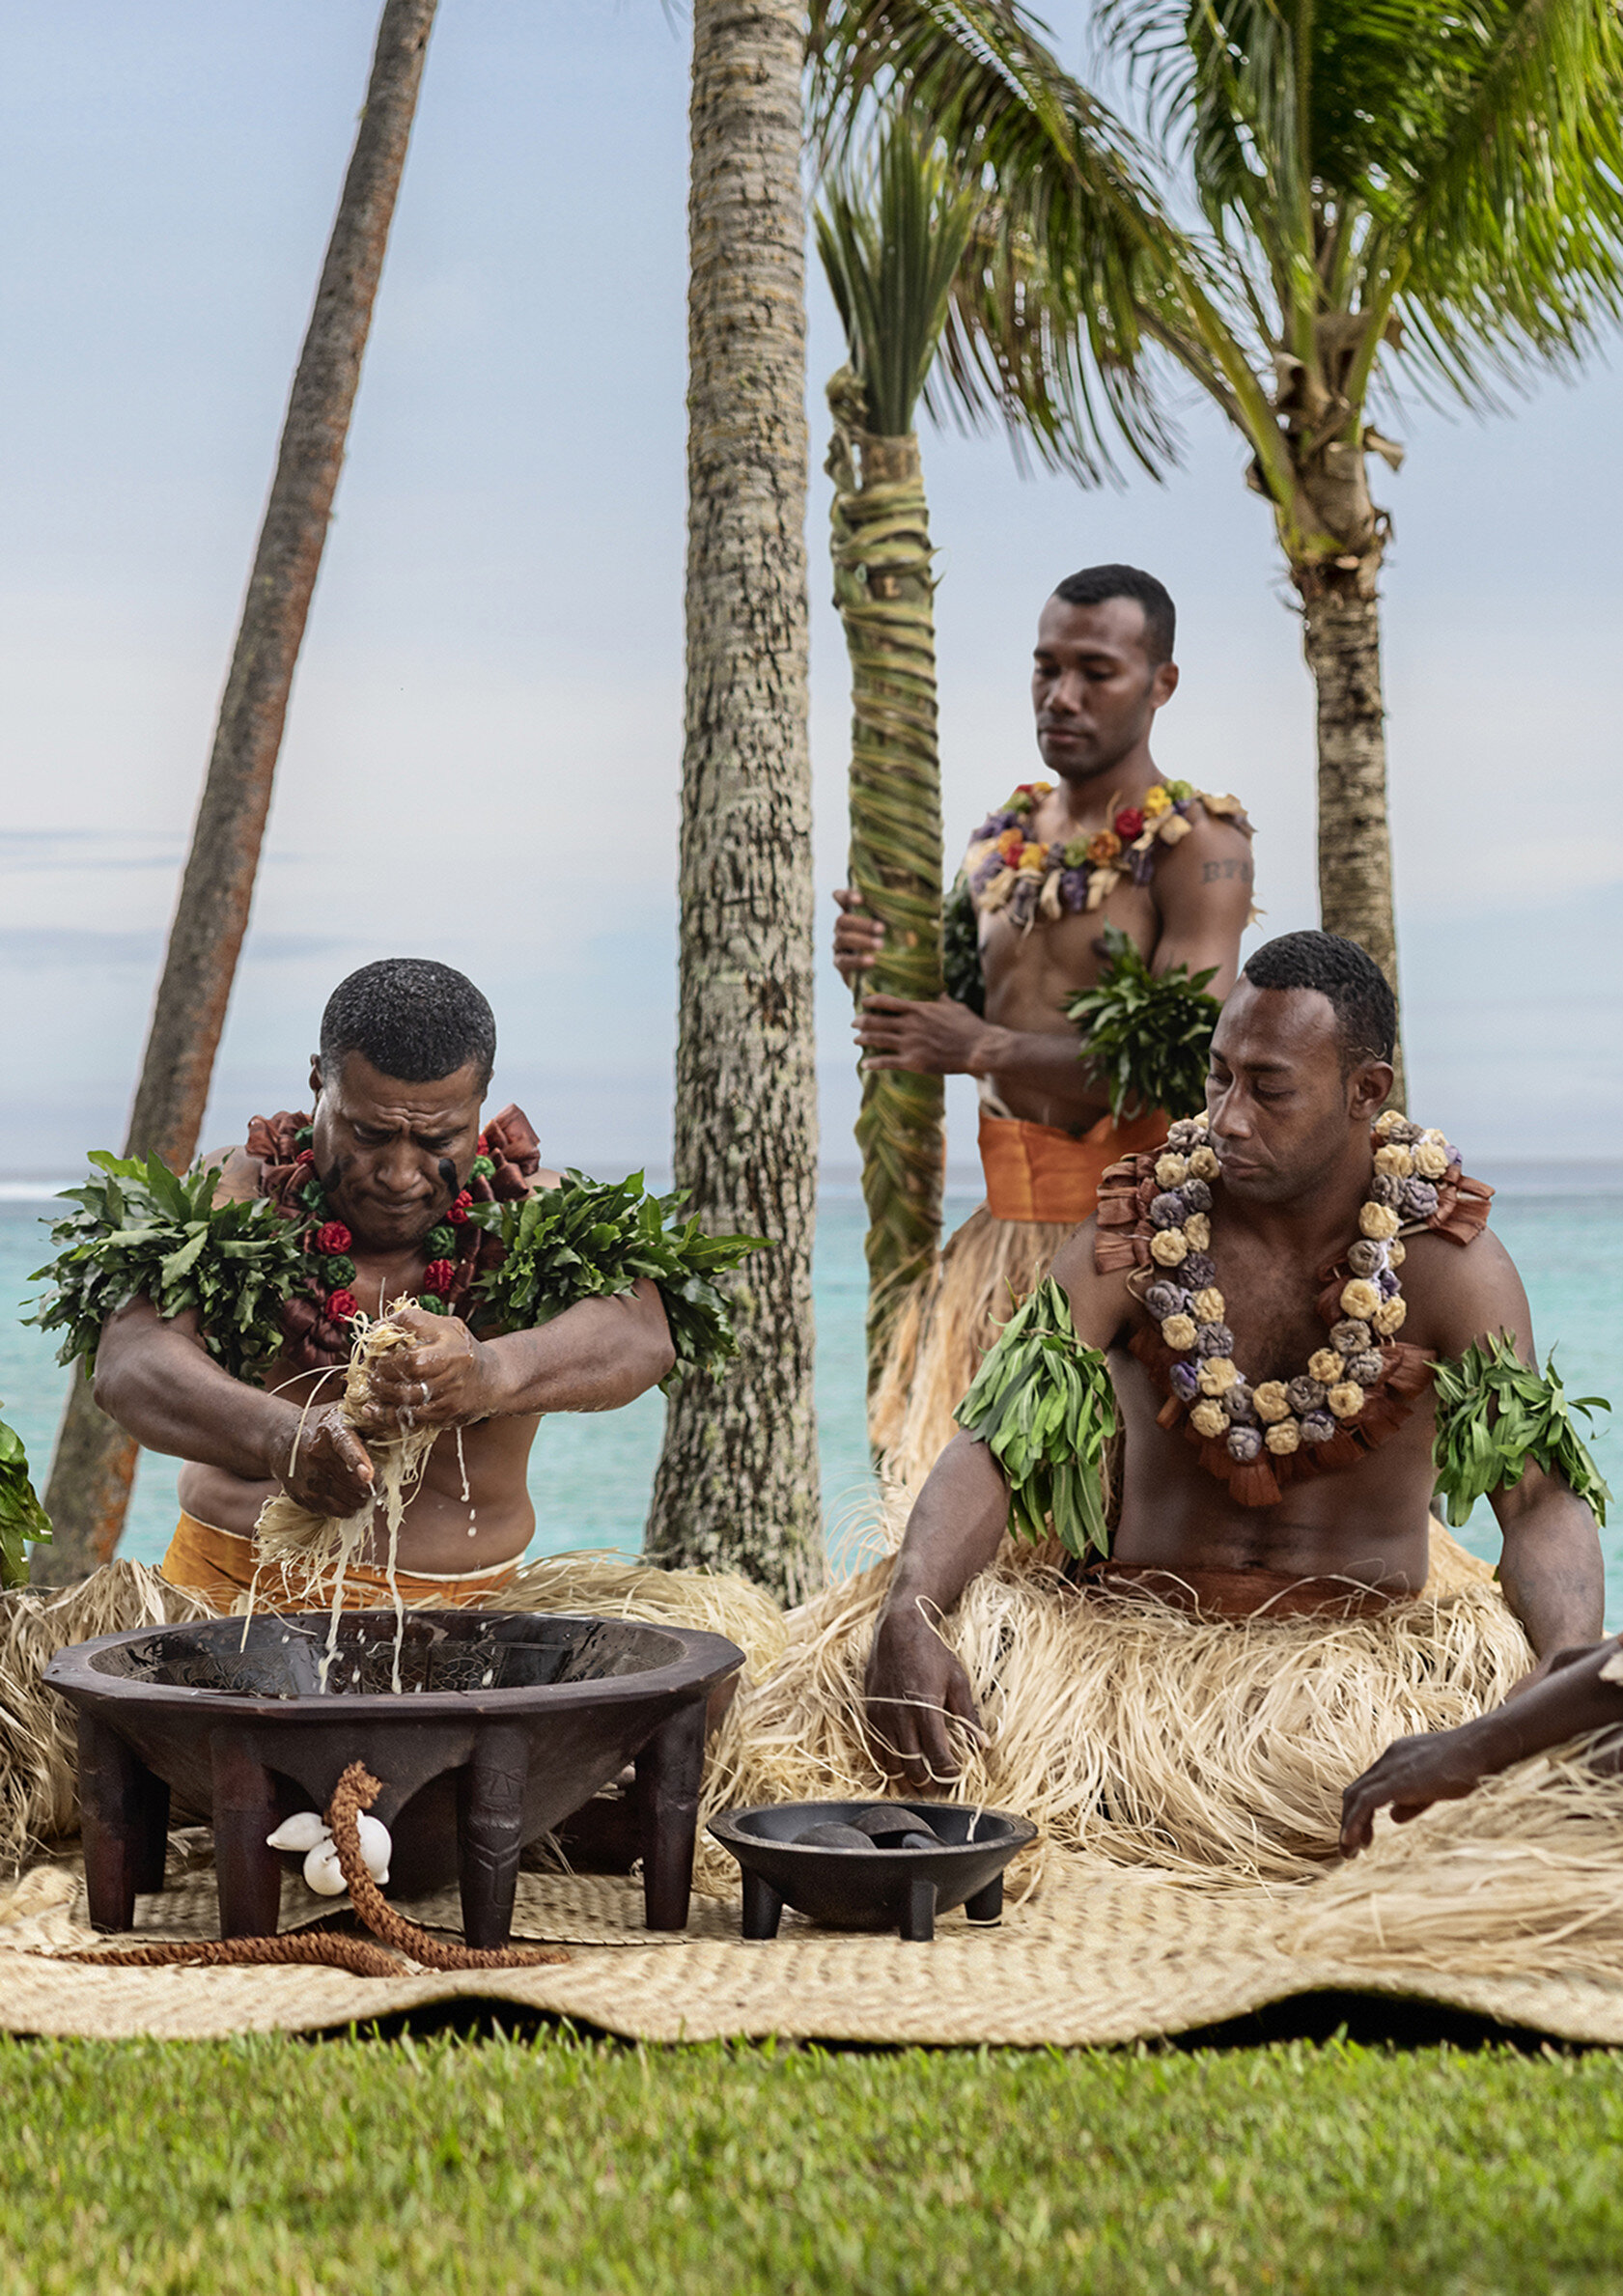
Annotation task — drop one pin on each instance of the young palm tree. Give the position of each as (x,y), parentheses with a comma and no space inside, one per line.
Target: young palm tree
(891,261)
(93,1466)
(1384,186)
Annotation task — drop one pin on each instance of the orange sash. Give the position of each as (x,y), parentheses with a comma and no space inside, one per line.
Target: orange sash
(220,1565)
(1039,1172)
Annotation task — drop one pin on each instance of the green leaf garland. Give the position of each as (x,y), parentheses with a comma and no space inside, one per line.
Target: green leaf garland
(22,1516)
(1148,1035)
(1044,1406)
(590,1240)
(143,1229)
(1494,1413)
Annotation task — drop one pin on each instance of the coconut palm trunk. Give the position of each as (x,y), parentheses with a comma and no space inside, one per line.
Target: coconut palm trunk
(1342,638)
(93,1465)
(738,1477)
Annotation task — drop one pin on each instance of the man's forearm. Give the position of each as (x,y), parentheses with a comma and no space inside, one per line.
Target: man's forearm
(1551,1572)
(1570,1704)
(161,1388)
(597,1356)
(955,1528)
(1026,1052)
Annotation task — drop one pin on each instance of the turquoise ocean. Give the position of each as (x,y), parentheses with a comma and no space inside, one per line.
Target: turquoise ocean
(590,1477)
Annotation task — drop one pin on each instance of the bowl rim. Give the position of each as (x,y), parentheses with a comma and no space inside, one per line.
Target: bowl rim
(702,1660)
(727,1827)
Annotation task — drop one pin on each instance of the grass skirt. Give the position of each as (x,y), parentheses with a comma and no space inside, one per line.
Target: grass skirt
(987,1270)
(1128,1731)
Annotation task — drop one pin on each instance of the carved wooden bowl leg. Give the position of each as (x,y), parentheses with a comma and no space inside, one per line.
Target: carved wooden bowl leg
(125,1821)
(669,1770)
(490,1835)
(246,1810)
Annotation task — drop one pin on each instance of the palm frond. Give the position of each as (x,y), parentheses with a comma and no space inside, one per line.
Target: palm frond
(1514,225)
(1044,333)
(890,246)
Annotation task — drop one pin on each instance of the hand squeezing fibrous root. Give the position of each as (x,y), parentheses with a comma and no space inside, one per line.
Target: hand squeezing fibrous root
(299,1552)
(356,1791)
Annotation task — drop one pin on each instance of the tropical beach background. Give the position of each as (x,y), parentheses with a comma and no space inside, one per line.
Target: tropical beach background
(480,761)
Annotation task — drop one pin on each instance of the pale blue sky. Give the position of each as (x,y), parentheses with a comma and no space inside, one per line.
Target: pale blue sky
(483,755)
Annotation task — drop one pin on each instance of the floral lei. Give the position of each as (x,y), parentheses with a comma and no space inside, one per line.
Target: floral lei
(1006,869)
(327,1241)
(1355,1390)
(316,1316)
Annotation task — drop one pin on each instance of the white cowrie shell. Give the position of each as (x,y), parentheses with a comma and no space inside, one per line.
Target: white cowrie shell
(323,1872)
(306,1831)
(376,1845)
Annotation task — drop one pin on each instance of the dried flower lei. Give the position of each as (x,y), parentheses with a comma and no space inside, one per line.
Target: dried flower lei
(1033,879)
(1280,1415)
(327,1242)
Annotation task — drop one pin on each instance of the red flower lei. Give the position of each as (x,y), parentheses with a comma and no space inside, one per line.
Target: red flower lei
(316,1317)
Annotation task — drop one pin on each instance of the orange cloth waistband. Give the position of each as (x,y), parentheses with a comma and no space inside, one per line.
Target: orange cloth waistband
(220,1565)
(1039,1172)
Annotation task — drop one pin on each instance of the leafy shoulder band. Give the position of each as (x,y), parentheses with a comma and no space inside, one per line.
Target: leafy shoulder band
(269,1278)
(1044,1405)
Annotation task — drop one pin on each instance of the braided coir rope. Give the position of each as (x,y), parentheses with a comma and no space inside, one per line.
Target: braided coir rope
(357,1954)
(356,1790)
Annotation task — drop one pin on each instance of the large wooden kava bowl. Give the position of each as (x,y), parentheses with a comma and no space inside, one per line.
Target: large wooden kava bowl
(506,1723)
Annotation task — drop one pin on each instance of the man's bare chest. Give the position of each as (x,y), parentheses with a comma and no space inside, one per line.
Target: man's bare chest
(1271,1305)
(1045,966)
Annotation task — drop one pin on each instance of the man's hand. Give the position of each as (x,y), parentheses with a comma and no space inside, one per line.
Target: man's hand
(445,1380)
(914,1689)
(1410,1775)
(325,1467)
(937,1039)
(858,937)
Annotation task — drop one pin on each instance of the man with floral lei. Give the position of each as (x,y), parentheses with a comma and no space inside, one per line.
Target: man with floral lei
(1297,1315)
(221,1309)
(1109,884)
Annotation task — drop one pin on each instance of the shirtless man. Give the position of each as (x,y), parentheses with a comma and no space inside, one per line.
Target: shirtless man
(406,1058)
(1101,671)
(1301,1065)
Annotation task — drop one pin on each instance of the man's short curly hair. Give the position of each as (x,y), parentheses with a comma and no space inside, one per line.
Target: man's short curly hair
(1365,1009)
(412,1018)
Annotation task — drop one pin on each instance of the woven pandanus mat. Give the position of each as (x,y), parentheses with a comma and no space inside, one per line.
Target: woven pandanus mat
(1102,1956)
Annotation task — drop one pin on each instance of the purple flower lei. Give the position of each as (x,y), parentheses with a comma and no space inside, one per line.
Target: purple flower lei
(1306,1411)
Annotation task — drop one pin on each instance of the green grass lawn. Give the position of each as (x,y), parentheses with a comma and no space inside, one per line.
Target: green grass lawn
(239,2168)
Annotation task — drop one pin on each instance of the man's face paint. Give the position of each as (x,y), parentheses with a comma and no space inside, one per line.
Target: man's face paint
(393,1156)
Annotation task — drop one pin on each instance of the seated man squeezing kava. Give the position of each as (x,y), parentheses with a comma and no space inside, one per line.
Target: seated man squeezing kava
(220,1310)
(1261,1309)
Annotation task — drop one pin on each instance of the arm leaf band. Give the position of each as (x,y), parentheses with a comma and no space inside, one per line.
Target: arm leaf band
(1044,1406)
(1494,1413)
(1147,1035)
(960,948)
(22,1516)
